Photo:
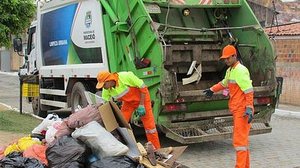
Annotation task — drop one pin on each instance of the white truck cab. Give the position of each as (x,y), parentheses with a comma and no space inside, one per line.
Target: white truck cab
(66,49)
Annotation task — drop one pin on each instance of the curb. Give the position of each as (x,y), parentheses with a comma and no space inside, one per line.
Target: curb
(9,73)
(17,110)
(287,113)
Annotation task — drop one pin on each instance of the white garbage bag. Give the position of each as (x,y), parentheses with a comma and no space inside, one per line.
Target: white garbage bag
(43,126)
(102,142)
(52,129)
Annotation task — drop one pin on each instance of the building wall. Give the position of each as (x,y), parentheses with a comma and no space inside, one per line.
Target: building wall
(16,61)
(288,67)
(263,14)
(5,60)
(10,60)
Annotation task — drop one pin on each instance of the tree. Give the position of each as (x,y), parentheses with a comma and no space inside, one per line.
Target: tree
(15,17)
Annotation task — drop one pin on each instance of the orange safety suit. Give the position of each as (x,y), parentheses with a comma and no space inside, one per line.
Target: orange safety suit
(237,80)
(128,90)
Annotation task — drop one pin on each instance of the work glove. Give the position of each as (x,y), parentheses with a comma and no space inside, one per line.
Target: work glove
(248,113)
(141,110)
(208,93)
(136,119)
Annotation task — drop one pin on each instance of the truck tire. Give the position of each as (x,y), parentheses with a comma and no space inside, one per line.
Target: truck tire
(77,96)
(36,108)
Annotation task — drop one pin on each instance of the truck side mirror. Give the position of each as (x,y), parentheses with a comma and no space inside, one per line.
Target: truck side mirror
(18,45)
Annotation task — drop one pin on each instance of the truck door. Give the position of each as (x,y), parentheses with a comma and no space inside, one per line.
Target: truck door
(31,51)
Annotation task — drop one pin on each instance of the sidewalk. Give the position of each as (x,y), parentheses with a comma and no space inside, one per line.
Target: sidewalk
(289,107)
(286,110)
(9,73)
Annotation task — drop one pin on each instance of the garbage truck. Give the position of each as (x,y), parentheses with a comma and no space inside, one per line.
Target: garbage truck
(173,47)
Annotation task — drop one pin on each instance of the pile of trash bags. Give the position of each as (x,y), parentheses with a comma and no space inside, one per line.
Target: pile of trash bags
(79,141)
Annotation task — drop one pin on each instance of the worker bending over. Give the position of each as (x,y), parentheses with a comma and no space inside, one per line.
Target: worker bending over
(134,94)
(237,80)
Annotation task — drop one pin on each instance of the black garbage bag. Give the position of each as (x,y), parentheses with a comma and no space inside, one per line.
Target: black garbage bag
(39,136)
(15,160)
(67,152)
(114,162)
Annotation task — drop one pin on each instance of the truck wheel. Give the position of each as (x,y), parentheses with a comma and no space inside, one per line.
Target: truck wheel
(77,96)
(36,107)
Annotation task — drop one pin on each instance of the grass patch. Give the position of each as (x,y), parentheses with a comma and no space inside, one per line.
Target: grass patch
(12,121)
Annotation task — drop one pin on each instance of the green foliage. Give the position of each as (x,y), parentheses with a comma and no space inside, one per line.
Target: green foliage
(15,17)
(12,121)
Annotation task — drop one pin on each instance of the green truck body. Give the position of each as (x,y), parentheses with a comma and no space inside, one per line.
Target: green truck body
(171,36)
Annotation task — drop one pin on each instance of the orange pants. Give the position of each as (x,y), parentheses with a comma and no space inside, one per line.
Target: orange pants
(131,101)
(241,130)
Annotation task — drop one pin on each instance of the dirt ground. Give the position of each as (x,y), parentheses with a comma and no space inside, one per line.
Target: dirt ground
(7,137)
(3,107)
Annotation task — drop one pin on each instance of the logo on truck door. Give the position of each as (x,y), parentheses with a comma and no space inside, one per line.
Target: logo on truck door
(88,19)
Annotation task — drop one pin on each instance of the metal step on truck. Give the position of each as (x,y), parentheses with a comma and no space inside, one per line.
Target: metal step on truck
(173,47)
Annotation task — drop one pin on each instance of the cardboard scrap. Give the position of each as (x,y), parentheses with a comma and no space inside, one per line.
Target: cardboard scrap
(173,155)
(112,118)
(147,163)
(119,115)
(142,149)
(177,151)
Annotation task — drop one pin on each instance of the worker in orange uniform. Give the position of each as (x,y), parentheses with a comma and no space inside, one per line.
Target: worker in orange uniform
(237,80)
(134,94)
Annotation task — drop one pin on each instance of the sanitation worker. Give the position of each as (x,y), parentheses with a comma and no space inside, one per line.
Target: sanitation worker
(237,80)
(134,94)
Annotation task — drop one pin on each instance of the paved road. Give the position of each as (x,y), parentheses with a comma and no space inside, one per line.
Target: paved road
(279,149)
(9,91)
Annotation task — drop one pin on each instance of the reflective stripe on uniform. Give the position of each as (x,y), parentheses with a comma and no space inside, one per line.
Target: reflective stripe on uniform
(231,81)
(121,94)
(248,90)
(143,85)
(223,84)
(239,75)
(152,131)
(241,148)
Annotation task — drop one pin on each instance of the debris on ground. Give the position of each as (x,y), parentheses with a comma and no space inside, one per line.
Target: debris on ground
(96,136)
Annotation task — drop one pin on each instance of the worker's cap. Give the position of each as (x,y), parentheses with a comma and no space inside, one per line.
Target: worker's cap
(228,51)
(102,77)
